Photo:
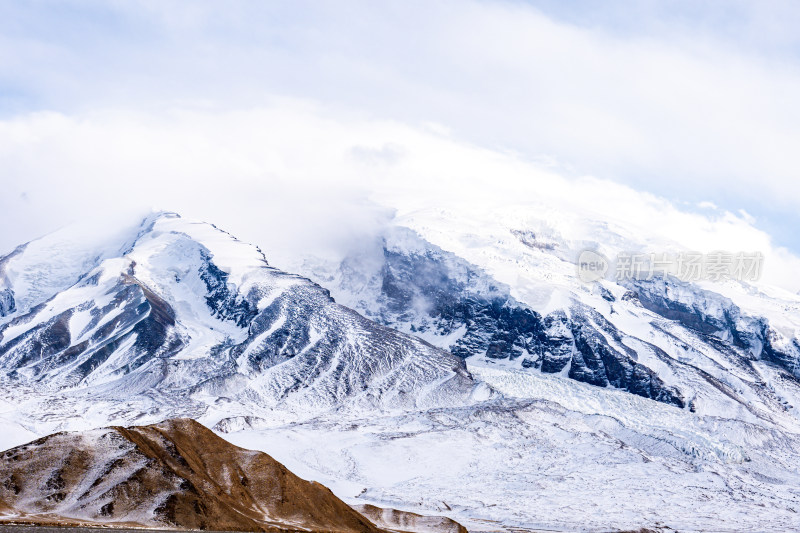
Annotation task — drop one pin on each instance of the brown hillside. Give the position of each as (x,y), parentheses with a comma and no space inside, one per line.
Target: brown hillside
(173,474)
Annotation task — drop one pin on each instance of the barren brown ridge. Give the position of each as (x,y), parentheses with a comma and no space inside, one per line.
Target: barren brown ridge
(176,474)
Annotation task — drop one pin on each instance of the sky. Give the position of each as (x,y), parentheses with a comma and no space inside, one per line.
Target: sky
(278,119)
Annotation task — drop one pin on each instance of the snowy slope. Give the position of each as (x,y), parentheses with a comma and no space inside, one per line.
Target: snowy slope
(566,406)
(534,463)
(501,287)
(577,448)
(185,319)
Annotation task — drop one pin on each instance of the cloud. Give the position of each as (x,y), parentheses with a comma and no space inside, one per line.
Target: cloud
(251,107)
(270,176)
(298,179)
(670,101)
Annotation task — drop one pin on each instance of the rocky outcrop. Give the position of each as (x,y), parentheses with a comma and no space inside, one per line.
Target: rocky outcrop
(7,304)
(718,319)
(396,520)
(223,300)
(45,349)
(436,294)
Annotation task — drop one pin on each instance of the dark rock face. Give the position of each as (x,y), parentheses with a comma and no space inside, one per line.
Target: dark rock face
(44,341)
(7,303)
(434,291)
(662,297)
(224,302)
(716,317)
(601,364)
(786,358)
(134,312)
(494,327)
(289,333)
(559,344)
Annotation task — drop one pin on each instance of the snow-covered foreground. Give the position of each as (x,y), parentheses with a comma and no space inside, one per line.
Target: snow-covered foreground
(497,284)
(552,454)
(595,460)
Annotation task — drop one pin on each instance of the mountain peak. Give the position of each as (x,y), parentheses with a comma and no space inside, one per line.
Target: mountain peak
(188,311)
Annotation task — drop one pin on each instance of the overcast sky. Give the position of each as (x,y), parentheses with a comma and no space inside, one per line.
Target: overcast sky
(184,105)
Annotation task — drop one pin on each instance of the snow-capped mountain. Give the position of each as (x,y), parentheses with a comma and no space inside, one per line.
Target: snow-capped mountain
(506,294)
(179,317)
(481,381)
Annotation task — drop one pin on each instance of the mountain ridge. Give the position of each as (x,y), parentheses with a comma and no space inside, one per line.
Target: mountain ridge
(191,313)
(176,474)
(668,340)
(189,322)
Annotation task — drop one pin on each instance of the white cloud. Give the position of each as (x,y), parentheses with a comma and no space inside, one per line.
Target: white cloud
(173,104)
(670,107)
(296,178)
